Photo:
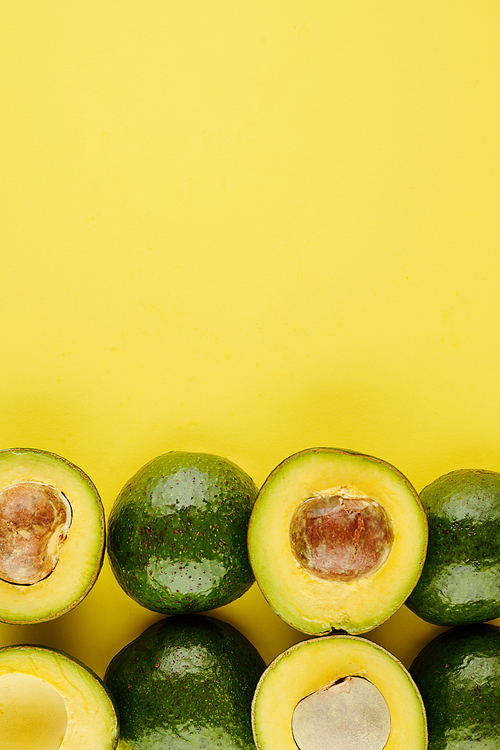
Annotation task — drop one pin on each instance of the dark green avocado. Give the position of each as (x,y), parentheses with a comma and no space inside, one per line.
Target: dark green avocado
(460,580)
(458,675)
(177,533)
(186,683)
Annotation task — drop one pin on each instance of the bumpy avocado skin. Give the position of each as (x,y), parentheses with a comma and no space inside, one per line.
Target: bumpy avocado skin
(458,675)
(177,533)
(460,580)
(186,683)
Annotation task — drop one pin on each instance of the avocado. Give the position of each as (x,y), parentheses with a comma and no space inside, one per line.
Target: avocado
(177,533)
(458,675)
(52,535)
(337,692)
(186,682)
(337,540)
(50,700)
(460,581)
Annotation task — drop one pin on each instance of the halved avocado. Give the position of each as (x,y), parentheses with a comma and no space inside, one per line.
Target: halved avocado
(177,533)
(50,701)
(52,535)
(458,675)
(186,682)
(337,692)
(460,581)
(337,540)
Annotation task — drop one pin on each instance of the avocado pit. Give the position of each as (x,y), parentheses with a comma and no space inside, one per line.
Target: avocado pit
(348,714)
(34,523)
(341,534)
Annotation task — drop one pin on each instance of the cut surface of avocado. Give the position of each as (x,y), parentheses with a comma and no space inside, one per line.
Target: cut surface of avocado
(34,523)
(337,540)
(52,535)
(360,526)
(349,714)
(49,701)
(338,692)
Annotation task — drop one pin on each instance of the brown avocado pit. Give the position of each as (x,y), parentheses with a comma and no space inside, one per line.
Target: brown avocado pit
(341,534)
(34,523)
(348,714)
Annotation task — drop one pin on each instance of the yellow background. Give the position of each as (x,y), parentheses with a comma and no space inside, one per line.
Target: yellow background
(247,229)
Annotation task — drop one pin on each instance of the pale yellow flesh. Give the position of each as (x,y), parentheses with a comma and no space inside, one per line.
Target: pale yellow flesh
(36,684)
(314,605)
(80,552)
(312,664)
(33,714)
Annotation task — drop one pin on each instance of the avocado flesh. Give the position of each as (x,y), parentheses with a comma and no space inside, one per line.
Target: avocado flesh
(51,565)
(460,581)
(177,533)
(53,702)
(314,666)
(186,682)
(365,594)
(458,675)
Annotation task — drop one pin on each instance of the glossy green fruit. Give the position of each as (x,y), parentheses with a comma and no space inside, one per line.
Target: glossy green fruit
(186,683)
(460,581)
(458,675)
(177,533)
(48,700)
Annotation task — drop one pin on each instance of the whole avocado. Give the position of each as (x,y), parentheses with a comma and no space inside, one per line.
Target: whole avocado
(177,533)
(186,683)
(460,580)
(458,675)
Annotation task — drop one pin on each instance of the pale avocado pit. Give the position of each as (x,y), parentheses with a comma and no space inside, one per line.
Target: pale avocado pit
(34,523)
(349,714)
(341,534)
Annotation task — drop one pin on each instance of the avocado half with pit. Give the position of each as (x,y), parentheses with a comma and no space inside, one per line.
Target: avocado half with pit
(177,533)
(460,581)
(52,535)
(338,692)
(458,675)
(186,682)
(337,540)
(50,701)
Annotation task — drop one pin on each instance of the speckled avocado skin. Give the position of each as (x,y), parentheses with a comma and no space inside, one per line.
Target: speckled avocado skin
(177,533)
(460,581)
(186,683)
(458,675)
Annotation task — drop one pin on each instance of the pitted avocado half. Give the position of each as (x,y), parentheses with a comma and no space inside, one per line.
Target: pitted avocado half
(50,701)
(338,692)
(52,535)
(337,540)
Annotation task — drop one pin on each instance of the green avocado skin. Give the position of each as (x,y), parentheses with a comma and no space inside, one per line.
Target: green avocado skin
(186,683)
(177,533)
(458,676)
(460,580)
